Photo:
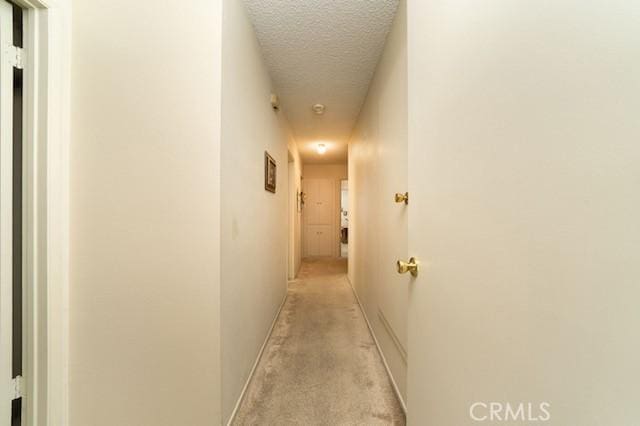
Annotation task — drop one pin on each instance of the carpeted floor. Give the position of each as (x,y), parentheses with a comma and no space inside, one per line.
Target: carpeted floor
(321,365)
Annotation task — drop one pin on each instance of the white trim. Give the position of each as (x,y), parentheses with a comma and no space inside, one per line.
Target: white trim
(396,390)
(255,364)
(58,166)
(32,4)
(46,140)
(6,216)
(33,230)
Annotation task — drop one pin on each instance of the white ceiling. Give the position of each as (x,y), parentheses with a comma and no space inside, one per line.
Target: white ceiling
(322,51)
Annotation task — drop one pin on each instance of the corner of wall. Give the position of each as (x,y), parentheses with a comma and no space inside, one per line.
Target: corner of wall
(250,297)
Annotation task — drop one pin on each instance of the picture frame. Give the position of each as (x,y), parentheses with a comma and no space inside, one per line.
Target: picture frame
(270,173)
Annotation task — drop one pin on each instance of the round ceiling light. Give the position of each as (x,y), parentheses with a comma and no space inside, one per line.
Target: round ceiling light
(322,148)
(318,109)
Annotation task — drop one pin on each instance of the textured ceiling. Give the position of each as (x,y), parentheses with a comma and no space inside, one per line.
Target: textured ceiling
(322,51)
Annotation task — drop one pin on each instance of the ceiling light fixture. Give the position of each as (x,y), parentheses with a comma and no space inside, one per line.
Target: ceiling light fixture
(318,109)
(321,148)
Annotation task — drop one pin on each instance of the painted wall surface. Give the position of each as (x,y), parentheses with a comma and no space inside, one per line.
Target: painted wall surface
(378,225)
(524,159)
(144,214)
(336,173)
(254,222)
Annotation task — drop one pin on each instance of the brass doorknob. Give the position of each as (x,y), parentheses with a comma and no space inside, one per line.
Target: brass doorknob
(411,266)
(402,198)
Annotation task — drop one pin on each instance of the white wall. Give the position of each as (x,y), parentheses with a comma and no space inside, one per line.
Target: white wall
(144,225)
(254,222)
(524,145)
(335,173)
(378,226)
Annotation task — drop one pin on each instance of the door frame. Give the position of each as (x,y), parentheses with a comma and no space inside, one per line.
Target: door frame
(340,219)
(292,206)
(7,119)
(46,139)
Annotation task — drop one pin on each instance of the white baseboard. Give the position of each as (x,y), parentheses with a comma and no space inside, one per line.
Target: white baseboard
(255,364)
(384,360)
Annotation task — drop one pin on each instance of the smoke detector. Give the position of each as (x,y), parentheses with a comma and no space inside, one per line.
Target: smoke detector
(318,109)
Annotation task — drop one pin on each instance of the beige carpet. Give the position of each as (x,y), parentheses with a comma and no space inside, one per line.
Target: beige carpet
(320,366)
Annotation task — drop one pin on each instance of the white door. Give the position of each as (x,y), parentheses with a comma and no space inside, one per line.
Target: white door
(319,204)
(320,216)
(319,240)
(524,181)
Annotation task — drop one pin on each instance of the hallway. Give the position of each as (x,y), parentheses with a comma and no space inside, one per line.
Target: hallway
(320,365)
(345,212)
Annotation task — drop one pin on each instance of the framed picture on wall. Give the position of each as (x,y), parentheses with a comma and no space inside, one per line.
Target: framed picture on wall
(269,173)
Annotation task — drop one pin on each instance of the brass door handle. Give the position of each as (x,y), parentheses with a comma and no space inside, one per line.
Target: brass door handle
(411,266)
(402,198)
